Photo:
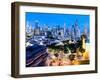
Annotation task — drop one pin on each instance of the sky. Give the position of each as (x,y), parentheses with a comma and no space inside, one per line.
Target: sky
(52,19)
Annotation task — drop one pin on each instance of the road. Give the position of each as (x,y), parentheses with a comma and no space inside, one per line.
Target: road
(35,55)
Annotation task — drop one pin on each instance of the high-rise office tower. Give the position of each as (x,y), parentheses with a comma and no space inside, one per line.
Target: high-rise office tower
(73,33)
(37,28)
(76,31)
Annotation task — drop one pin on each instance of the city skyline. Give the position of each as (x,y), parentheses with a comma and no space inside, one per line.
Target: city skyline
(53,19)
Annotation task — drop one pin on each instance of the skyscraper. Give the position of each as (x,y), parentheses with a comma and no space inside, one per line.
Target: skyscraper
(64,28)
(68,34)
(73,33)
(29,29)
(37,28)
(86,33)
(77,31)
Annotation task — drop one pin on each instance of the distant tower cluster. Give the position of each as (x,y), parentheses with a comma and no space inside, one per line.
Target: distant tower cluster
(75,32)
(57,31)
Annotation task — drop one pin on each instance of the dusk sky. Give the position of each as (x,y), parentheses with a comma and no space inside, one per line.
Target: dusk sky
(52,19)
